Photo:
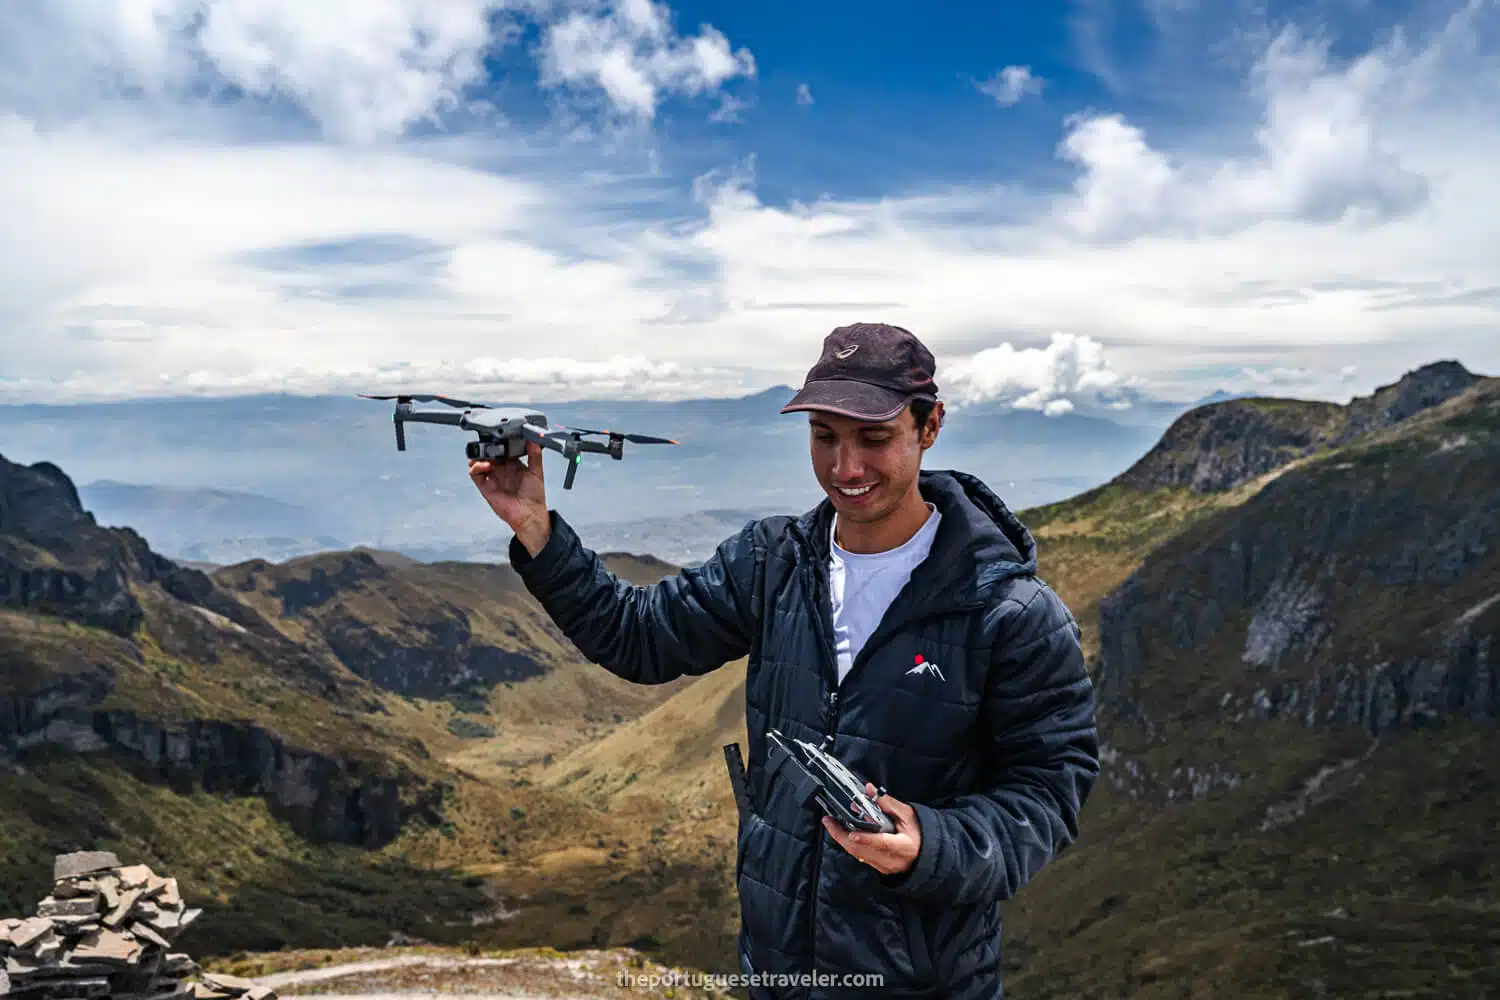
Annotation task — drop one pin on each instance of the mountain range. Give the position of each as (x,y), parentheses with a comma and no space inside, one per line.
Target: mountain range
(221,480)
(1290,609)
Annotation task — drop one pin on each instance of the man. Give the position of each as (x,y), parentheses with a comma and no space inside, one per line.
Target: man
(901,626)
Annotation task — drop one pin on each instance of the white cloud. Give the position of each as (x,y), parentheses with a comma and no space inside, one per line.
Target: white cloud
(491,378)
(804,94)
(1010,85)
(629,51)
(1321,156)
(1033,378)
(363,69)
(158,254)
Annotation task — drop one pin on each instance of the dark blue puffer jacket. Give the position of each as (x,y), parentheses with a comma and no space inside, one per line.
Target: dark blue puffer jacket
(994,745)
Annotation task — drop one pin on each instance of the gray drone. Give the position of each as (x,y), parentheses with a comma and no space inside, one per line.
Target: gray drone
(504,432)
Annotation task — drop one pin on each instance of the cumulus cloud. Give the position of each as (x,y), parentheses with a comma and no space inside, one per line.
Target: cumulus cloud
(190,257)
(363,69)
(1032,378)
(630,51)
(1321,155)
(1010,85)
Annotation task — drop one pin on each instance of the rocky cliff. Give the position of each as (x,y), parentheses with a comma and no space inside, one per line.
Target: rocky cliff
(1362,589)
(107,647)
(57,560)
(1296,667)
(406,627)
(323,798)
(1223,445)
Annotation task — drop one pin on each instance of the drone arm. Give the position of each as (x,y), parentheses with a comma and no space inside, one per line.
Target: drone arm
(688,624)
(567,441)
(430,417)
(405,414)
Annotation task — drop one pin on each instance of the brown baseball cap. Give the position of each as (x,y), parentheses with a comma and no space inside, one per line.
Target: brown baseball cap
(868,371)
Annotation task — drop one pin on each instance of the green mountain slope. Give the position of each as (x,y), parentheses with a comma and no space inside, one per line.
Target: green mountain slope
(1302,759)
(223,729)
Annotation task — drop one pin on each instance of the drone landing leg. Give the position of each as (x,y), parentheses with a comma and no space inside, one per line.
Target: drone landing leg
(572,471)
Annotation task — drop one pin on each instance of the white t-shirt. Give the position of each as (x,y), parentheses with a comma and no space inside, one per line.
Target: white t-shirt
(864,585)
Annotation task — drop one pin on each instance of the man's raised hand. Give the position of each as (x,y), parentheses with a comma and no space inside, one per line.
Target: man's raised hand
(517,493)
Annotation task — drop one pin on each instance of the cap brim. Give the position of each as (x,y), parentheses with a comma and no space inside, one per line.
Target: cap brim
(858,400)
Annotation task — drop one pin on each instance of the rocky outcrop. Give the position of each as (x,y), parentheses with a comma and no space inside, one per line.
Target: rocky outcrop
(322,798)
(1420,390)
(55,558)
(1220,446)
(320,586)
(1361,591)
(1223,445)
(394,627)
(432,658)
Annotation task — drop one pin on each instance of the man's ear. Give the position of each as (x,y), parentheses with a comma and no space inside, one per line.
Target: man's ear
(934,423)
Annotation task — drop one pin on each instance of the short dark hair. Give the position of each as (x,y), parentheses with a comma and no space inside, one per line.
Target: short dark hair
(921,411)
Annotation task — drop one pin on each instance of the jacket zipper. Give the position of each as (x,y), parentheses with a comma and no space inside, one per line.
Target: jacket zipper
(815,594)
(816,586)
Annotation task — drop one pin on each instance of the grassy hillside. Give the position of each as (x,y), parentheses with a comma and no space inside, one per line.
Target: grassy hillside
(210,727)
(1236,848)
(496,684)
(672,754)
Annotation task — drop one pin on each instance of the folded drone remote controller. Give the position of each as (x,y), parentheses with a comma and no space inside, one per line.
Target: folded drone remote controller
(824,778)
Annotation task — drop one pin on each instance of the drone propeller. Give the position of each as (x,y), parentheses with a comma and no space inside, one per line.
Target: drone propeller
(427,397)
(632,438)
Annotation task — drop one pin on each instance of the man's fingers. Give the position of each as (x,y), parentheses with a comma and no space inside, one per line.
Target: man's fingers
(534,458)
(890,804)
(896,808)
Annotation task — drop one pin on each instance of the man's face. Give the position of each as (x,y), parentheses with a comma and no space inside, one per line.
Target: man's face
(867,469)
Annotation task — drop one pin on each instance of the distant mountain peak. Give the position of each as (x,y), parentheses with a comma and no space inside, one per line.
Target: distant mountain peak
(64,563)
(1223,444)
(37,499)
(1224,396)
(774,392)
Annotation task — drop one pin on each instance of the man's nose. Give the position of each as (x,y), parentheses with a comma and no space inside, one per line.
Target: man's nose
(849,465)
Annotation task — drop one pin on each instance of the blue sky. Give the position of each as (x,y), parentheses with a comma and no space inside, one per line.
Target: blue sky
(583,197)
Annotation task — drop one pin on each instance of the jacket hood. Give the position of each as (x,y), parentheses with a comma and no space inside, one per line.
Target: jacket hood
(979,544)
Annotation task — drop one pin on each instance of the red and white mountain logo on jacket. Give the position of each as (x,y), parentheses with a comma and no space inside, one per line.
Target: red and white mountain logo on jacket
(926,667)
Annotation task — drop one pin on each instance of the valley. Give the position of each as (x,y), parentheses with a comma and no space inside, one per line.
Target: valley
(1289,608)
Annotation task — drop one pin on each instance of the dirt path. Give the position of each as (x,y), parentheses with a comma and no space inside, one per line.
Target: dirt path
(281,981)
(585,975)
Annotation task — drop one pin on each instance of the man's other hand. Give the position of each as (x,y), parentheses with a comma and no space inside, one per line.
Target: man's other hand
(887,853)
(518,496)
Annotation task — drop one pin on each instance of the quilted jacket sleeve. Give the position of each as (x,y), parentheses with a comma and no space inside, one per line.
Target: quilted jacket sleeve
(690,623)
(1044,752)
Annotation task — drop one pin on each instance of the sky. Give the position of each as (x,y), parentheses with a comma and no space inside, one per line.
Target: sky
(555,199)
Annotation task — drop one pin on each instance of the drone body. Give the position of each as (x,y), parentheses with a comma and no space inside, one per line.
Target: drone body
(505,432)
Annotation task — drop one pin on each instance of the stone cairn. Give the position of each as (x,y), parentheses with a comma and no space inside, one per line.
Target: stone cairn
(106,931)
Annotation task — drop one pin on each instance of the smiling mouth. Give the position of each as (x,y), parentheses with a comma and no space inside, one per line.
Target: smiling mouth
(858,491)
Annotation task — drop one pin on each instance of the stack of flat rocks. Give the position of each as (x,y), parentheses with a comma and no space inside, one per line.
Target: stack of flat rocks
(106,931)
